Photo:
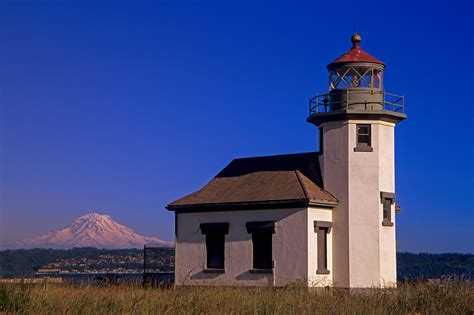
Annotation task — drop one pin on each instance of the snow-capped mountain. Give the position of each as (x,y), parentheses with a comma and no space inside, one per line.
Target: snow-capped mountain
(92,230)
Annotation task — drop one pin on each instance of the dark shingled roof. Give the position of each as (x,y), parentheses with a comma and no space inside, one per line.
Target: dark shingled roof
(268,180)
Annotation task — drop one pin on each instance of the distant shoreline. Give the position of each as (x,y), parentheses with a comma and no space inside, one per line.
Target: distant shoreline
(91,262)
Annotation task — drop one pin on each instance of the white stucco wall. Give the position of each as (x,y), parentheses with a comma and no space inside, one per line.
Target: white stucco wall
(335,171)
(294,248)
(364,216)
(289,248)
(364,250)
(388,257)
(314,279)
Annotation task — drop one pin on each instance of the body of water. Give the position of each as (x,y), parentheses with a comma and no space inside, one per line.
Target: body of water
(98,278)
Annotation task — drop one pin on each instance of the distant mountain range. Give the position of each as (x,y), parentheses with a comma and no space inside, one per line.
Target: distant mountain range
(91,230)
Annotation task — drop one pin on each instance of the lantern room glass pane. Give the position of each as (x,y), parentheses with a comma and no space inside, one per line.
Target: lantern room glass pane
(377,79)
(355,77)
(366,79)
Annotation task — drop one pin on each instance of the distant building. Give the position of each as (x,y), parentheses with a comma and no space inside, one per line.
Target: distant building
(318,219)
(48,270)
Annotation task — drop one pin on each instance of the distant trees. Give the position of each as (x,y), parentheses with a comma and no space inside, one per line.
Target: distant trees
(434,266)
(25,262)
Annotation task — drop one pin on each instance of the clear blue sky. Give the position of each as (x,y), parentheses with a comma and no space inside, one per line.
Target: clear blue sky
(121,107)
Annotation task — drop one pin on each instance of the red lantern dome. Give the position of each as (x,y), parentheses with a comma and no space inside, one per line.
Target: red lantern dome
(355,54)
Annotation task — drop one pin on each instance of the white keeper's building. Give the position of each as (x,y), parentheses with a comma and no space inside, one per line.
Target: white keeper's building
(322,218)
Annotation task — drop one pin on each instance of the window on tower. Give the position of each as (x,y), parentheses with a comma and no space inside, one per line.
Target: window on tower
(388,199)
(364,138)
(363,135)
(387,210)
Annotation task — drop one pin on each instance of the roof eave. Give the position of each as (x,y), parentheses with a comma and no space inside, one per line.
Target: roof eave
(348,114)
(323,203)
(251,205)
(335,64)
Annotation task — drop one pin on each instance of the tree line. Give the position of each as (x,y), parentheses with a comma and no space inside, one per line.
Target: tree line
(25,262)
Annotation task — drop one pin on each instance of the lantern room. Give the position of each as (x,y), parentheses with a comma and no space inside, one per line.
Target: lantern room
(355,69)
(356,84)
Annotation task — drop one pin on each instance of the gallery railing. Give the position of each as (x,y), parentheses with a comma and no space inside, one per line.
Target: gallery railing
(357,99)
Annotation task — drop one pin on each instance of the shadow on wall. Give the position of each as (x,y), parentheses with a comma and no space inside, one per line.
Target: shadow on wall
(237,228)
(204,276)
(245,276)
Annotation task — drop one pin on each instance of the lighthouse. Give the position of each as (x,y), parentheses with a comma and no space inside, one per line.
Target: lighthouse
(356,119)
(318,219)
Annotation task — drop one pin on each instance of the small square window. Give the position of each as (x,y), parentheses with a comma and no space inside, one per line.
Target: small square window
(363,135)
(363,138)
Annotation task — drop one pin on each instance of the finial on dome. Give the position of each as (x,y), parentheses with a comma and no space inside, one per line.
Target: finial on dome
(355,39)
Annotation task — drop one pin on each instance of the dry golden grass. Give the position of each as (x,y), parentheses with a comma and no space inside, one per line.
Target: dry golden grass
(446,297)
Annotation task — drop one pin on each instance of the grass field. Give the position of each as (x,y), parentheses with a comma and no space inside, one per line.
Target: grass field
(445,297)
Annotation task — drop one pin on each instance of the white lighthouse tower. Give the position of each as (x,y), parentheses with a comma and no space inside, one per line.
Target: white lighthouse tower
(356,121)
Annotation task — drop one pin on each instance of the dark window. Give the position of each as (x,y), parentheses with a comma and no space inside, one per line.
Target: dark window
(262,249)
(262,234)
(363,136)
(322,228)
(215,244)
(323,249)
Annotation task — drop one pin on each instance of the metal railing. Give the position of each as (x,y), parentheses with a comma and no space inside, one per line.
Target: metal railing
(326,102)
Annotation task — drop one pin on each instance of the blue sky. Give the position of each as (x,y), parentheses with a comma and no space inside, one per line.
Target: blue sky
(121,107)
